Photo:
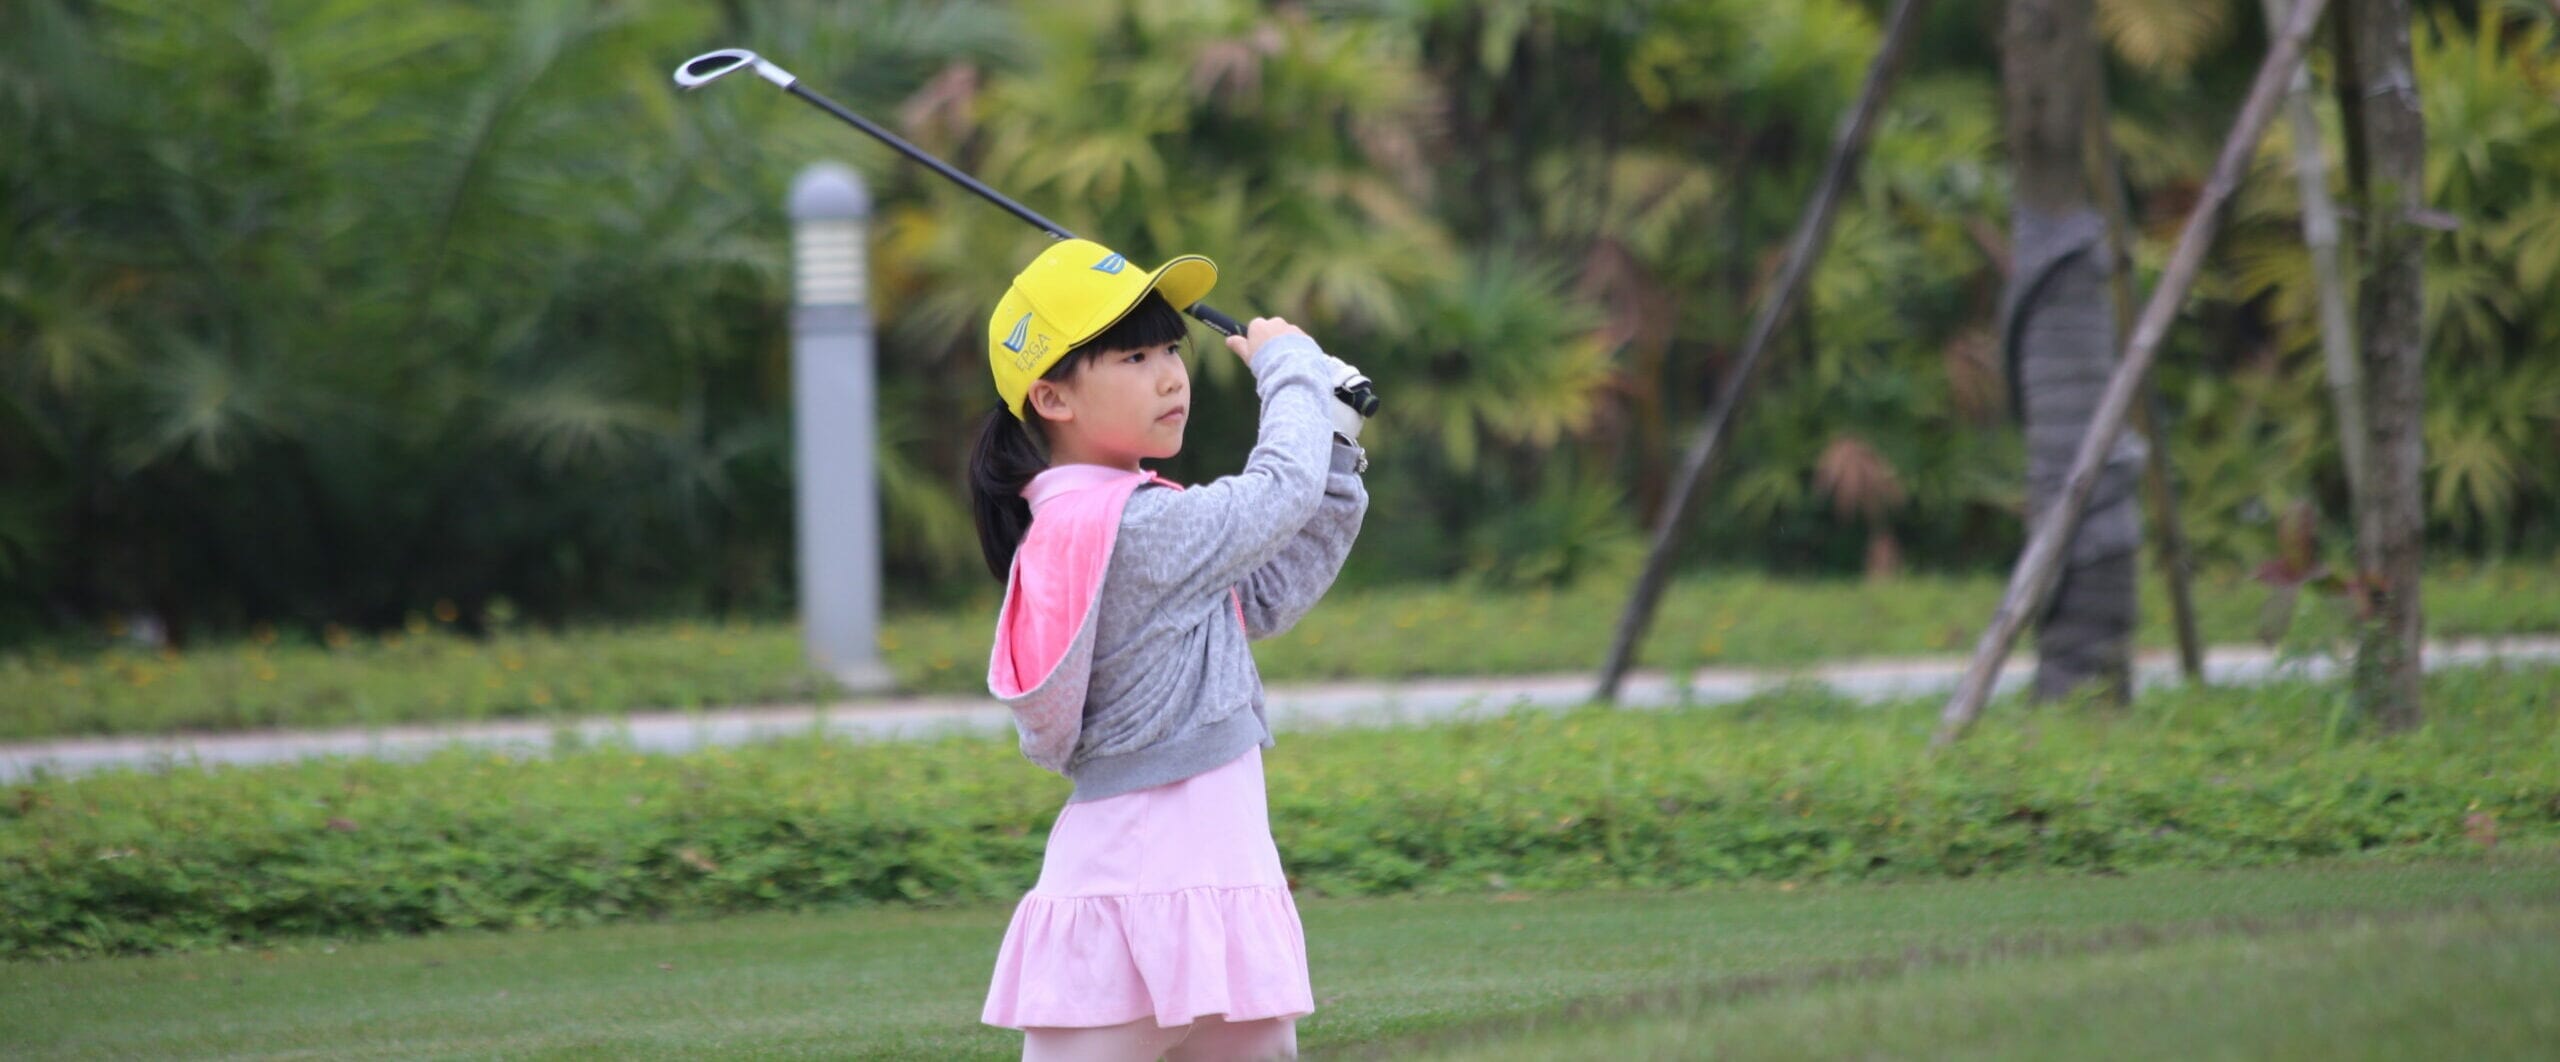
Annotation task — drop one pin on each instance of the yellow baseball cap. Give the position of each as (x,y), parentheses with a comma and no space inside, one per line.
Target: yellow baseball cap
(1076,290)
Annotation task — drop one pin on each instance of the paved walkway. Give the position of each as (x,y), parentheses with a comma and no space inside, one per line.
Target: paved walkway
(1291,708)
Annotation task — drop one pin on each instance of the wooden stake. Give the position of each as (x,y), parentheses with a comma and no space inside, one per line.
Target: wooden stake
(1672,520)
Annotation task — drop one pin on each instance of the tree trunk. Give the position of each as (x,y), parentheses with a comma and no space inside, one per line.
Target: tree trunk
(2386,169)
(2060,331)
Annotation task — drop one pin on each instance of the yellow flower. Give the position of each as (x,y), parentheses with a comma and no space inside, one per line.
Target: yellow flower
(445,612)
(335,636)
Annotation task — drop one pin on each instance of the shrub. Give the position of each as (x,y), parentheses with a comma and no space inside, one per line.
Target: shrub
(1793,786)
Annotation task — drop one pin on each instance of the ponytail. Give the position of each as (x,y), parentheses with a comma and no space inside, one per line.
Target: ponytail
(1000,464)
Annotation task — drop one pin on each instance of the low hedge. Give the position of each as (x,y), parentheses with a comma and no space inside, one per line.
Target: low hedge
(1794,785)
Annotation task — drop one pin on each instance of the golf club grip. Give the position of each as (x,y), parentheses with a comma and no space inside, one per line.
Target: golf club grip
(1363,399)
(1209,315)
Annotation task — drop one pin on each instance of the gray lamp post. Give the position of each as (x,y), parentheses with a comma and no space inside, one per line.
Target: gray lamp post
(834,441)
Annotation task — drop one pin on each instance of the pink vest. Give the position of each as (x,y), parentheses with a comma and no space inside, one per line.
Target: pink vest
(1057,571)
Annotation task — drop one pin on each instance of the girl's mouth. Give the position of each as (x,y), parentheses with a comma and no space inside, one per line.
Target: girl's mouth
(1174,416)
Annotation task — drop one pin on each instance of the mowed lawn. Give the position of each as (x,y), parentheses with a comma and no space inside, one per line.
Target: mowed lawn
(2019,965)
(2447,984)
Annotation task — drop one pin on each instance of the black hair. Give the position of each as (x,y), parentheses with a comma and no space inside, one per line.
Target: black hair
(1007,454)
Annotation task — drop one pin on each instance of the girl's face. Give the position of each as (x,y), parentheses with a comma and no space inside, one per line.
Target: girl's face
(1122,407)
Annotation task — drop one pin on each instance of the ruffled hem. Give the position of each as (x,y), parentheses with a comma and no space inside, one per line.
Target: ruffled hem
(1082,961)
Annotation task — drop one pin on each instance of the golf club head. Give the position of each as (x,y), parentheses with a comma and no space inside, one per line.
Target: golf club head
(712,66)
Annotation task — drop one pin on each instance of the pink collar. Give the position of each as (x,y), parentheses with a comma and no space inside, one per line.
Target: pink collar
(1067,479)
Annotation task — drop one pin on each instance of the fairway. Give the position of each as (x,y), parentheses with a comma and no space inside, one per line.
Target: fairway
(1392,976)
(2471,984)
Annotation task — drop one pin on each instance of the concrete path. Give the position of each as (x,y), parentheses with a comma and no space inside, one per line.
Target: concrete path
(1291,708)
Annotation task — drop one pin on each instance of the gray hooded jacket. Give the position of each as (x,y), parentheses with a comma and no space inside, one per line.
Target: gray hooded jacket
(1160,667)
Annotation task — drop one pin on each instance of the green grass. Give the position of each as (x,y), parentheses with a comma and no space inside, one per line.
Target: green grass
(2470,984)
(426,673)
(1393,977)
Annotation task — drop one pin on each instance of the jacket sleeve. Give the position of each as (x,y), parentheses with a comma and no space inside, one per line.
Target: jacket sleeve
(1210,537)
(1280,593)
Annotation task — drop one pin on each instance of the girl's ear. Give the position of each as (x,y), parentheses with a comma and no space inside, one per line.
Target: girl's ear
(1050,400)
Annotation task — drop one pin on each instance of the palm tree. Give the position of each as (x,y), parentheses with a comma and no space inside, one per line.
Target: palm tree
(2060,329)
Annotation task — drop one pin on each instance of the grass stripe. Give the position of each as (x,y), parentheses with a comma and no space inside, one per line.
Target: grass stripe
(2471,983)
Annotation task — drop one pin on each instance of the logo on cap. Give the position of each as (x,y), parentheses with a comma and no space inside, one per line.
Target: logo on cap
(1021,333)
(1112,265)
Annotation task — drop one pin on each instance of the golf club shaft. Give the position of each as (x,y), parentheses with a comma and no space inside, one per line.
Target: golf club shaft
(936,165)
(1362,396)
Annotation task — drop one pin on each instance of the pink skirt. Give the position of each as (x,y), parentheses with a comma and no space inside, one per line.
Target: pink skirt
(1166,903)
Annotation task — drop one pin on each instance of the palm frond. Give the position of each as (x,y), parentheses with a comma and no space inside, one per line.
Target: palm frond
(2165,36)
(576,418)
(202,404)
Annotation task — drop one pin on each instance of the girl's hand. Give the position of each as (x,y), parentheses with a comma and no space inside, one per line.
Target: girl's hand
(1259,331)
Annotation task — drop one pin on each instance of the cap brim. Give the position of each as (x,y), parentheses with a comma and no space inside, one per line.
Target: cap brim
(1185,280)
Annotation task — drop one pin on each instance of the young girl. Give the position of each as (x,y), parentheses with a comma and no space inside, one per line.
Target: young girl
(1162,924)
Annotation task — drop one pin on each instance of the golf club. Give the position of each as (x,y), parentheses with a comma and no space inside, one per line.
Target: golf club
(708,67)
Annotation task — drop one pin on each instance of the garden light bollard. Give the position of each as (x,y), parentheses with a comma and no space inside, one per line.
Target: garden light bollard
(833,437)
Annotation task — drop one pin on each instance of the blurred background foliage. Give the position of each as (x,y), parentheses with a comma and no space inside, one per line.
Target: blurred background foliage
(318,311)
